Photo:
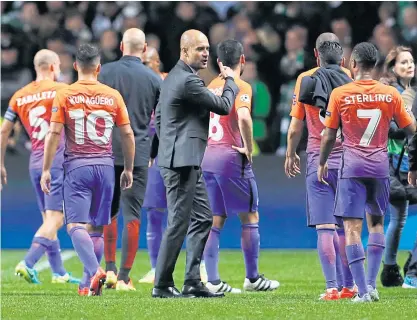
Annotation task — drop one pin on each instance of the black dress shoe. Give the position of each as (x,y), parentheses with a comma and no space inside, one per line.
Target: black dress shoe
(391,276)
(199,291)
(169,292)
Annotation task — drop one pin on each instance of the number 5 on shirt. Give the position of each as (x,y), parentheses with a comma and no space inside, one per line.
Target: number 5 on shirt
(36,122)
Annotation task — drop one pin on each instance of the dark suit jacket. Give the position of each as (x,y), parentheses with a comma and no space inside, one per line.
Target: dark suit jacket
(183,113)
(139,87)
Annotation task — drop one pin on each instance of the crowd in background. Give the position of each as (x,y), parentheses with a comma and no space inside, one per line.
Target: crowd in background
(278,39)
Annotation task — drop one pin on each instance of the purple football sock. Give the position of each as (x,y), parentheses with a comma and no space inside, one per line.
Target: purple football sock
(154,231)
(327,255)
(339,266)
(250,241)
(356,258)
(54,258)
(211,255)
(84,247)
(85,281)
(375,250)
(36,250)
(347,274)
(98,242)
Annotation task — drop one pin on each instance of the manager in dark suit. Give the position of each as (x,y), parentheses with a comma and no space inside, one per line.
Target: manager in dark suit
(139,87)
(182,122)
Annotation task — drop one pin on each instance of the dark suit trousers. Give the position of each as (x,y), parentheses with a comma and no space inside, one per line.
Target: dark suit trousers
(189,215)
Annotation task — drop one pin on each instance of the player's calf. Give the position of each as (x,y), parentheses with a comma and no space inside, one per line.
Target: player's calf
(375,250)
(327,254)
(355,253)
(84,246)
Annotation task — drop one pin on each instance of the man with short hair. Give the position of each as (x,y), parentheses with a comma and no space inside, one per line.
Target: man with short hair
(363,109)
(88,110)
(33,104)
(139,87)
(182,123)
(231,184)
(320,197)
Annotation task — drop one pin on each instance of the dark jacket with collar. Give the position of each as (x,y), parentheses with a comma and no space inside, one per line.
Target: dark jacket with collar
(412,146)
(182,116)
(139,87)
(315,90)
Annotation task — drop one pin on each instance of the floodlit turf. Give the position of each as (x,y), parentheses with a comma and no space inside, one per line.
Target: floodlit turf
(297,298)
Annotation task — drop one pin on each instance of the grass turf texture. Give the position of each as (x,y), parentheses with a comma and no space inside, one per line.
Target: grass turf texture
(297,298)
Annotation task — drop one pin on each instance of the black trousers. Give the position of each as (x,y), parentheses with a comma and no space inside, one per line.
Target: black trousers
(132,199)
(189,215)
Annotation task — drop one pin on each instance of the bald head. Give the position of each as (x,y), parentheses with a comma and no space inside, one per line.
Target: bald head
(195,49)
(190,37)
(151,59)
(133,41)
(151,54)
(44,59)
(326,37)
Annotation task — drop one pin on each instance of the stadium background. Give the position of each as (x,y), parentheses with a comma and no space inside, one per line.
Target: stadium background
(278,38)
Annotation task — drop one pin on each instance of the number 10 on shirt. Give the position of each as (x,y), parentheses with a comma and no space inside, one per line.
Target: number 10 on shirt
(79,116)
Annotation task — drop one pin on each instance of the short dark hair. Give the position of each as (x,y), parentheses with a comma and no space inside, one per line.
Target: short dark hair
(87,56)
(365,54)
(330,52)
(229,52)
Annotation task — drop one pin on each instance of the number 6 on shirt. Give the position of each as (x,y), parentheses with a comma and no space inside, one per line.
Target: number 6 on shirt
(375,116)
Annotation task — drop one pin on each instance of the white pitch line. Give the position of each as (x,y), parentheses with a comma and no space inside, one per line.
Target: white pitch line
(66,255)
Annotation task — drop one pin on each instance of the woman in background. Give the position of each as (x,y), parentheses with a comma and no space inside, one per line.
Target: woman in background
(399,71)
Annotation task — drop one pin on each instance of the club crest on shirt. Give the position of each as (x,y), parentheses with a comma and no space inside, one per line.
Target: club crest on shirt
(245,98)
(54,109)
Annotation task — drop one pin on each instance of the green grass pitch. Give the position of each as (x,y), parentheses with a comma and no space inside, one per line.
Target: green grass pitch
(298,272)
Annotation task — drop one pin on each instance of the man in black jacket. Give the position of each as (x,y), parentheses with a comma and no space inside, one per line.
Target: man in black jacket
(182,121)
(139,87)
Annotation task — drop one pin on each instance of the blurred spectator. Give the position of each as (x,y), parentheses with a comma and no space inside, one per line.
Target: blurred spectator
(384,39)
(342,29)
(109,43)
(107,13)
(295,60)
(13,75)
(68,74)
(74,23)
(153,41)
(410,25)
(386,14)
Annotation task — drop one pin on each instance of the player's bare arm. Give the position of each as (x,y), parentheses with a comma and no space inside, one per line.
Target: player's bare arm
(51,145)
(246,131)
(6,129)
(327,143)
(128,147)
(292,160)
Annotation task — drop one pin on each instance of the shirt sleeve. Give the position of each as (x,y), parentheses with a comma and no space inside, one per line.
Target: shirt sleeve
(297,109)
(244,98)
(122,116)
(401,116)
(58,108)
(11,113)
(332,119)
